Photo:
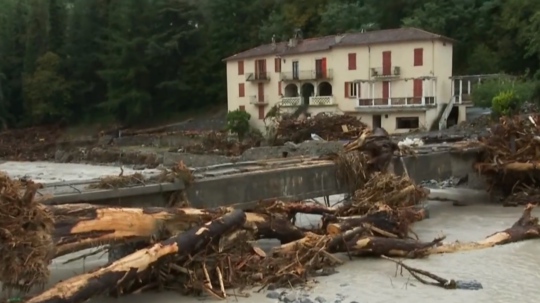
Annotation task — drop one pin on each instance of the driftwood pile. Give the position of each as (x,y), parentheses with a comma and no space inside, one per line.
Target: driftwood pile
(210,251)
(330,127)
(509,158)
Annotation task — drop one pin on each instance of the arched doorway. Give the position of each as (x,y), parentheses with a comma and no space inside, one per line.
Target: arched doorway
(307,91)
(291,90)
(325,89)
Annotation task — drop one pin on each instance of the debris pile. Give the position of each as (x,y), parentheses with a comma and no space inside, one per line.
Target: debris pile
(219,143)
(26,228)
(330,127)
(509,158)
(29,144)
(197,251)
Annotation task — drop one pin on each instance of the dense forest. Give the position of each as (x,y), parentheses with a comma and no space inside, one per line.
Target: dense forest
(85,61)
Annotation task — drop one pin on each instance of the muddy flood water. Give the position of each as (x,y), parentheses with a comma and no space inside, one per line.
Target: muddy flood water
(508,273)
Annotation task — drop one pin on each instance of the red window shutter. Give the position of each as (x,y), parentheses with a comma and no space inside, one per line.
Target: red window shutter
(241,90)
(417,88)
(242,108)
(352,61)
(279,88)
(385,89)
(277,65)
(347,86)
(261,112)
(418,56)
(387,62)
(240,67)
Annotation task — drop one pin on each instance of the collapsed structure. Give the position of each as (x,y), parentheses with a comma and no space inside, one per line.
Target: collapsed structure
(211,250)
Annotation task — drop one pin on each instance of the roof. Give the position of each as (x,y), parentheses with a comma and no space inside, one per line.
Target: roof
(348,39)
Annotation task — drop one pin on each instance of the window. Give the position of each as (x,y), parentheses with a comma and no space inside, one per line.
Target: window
(418,56)
(242,108)
(407,122)
(260,67)
(240,67)
(277,65)
(352,61)
(351,90)
(295,70)
(241,90)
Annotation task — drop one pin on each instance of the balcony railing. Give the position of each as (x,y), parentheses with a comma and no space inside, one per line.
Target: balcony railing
(321,101)
(259,76)
(291,101)
(317,74)
(380,72)
(407,101)
(258,100)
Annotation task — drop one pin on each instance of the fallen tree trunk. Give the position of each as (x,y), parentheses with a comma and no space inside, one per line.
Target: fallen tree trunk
(524,229)
(273,227)
(513,166)
(82,287)
(360,241)
(384,223)
(81,226)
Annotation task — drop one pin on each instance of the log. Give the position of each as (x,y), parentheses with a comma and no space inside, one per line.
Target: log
(524,229)
(273,227)
(384,223)
(82,287)
(295,207)
(513,166)
(81,226)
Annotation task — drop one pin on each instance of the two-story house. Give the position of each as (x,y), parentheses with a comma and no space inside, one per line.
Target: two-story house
(399,79)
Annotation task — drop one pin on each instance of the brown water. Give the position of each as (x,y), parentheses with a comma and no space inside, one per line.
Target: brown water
(508,273)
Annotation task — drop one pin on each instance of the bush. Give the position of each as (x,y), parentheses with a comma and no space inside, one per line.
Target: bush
(238,123)
(505,103)
(484,93)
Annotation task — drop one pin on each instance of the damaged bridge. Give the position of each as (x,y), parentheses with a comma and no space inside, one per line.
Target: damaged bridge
(245,182)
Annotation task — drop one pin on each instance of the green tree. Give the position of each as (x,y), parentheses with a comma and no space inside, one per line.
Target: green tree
(46,92)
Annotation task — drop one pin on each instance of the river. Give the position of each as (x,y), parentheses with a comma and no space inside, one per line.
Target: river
(507,273)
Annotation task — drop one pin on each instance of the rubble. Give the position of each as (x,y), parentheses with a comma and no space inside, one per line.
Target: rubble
(209,251)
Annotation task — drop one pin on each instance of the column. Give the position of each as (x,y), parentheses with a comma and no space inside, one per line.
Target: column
(372,93)
(460,91)
(468,87)
(433,88)
(452,88)
(423,91)
(389,93)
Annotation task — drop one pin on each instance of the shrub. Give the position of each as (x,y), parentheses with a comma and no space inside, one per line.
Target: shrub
(505,103)
(238,122)
(484,93)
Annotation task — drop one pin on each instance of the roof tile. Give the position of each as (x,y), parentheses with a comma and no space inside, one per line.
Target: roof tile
(348,39)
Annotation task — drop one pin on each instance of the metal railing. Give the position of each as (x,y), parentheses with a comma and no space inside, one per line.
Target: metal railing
(381,72)
(258,99)
(403,101)
(258,76)
(315,74)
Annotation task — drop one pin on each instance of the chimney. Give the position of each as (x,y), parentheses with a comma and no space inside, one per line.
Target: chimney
(273,42)
(339,38)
